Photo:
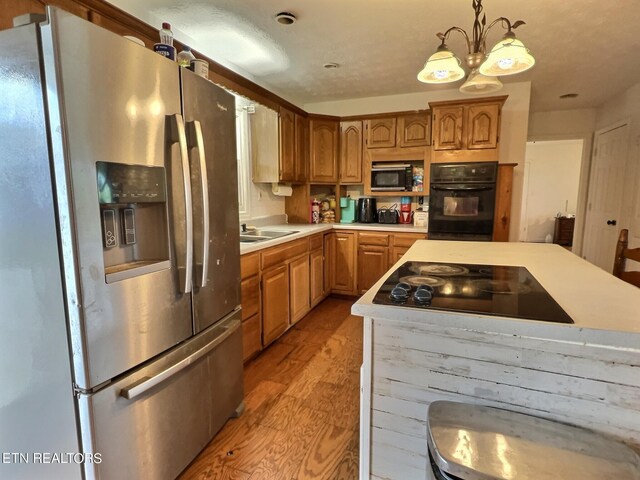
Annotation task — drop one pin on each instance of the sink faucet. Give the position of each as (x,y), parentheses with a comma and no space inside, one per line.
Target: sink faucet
(244,228)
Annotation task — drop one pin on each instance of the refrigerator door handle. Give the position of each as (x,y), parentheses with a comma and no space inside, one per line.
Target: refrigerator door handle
(179,135)
(147,383)
(196,140)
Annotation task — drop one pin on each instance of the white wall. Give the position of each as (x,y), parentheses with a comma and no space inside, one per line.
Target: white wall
(562,123)
(552,178)
(513,134)
(626,107)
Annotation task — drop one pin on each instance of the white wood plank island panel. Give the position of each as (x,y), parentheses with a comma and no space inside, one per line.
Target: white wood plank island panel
(586,374)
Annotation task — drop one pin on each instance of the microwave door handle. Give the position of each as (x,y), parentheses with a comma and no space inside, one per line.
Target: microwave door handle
(178,135)
(464,189)
(196,139)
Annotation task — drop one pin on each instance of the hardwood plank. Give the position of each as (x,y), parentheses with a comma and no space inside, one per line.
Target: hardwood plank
(301,406)
(347,468)
(324,453)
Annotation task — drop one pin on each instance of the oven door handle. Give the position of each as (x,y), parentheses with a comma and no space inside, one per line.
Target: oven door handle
(464,189)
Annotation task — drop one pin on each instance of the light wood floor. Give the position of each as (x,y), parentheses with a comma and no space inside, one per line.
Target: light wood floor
(302,406)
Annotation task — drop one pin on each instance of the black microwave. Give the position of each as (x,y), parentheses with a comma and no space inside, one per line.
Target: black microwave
(391,177)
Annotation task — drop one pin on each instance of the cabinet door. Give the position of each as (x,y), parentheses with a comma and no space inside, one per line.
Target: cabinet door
(414,130)
(251,340)
(324,151)
(482,126)
(447,128)
(329,262)
(287,145)
(299,288)
(396,254)
(316,276)
(502,213)
(351,152)
(381,132)
(345,263)
(301,166)
(250,295)
(373,262)
(275,303)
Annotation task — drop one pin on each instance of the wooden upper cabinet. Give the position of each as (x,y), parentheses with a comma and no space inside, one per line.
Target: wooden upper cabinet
(482,126)
(381,132)
(466,130)
(414,130)
(287,145)
(301,163)
(447,128)
(351,152)
(324,151)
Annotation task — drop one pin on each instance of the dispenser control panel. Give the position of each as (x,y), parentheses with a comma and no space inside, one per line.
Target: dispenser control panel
(122,184)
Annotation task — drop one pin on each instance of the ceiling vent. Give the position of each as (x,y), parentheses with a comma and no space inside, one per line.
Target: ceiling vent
(285,18)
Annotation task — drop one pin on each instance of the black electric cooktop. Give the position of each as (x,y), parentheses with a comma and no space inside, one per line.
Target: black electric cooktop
(504,291)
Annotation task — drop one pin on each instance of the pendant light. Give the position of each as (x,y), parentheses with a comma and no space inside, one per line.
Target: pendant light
(509,56)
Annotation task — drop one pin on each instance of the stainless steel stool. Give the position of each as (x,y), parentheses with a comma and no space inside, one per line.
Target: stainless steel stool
(470,442)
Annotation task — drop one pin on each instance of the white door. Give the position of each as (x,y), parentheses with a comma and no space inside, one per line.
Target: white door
(605,197)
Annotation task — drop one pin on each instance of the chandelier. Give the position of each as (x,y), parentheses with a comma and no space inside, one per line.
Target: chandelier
(507,57)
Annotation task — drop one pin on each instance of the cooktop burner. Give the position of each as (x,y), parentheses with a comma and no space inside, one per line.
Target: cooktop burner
(505,291)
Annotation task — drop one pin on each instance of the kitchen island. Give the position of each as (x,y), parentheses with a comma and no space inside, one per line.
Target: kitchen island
(586,373)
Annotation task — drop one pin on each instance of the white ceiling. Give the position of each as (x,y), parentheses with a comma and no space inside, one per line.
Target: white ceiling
(589,47)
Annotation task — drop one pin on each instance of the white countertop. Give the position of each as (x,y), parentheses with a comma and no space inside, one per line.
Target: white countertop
(605,309)
(305,229)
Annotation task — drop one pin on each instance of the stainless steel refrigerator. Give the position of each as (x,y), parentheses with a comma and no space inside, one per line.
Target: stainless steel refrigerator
(119,260)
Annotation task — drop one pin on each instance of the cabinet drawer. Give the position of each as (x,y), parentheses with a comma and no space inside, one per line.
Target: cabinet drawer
(282,253)
(251,337)
(250,291)
(366,238)
(249,265)
(407,239)
(316,242)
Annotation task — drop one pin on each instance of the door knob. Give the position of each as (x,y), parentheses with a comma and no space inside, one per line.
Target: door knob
(611,222)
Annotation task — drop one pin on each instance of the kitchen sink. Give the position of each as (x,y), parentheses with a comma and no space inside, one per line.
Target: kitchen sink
(259,235)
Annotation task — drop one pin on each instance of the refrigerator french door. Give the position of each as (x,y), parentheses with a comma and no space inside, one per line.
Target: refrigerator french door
(144,204)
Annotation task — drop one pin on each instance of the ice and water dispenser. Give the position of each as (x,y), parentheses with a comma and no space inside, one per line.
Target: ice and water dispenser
(133,210)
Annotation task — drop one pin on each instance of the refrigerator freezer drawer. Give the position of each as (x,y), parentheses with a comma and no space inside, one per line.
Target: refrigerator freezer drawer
(153,422)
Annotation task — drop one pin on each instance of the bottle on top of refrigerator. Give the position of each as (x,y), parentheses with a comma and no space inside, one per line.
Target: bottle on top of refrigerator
(166,35)
(165,47)
(185,57)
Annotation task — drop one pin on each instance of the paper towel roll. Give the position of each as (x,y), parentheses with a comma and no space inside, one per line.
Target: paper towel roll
(281,190)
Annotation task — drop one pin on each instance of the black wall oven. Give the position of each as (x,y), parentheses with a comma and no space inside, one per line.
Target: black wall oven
(462,201)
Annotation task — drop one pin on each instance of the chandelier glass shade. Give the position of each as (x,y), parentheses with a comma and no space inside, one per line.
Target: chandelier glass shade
(442,67)
(509,56)
(479,84)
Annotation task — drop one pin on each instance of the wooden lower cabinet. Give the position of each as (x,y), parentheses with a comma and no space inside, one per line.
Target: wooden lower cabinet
(344,269)
(373,262)
(329,262)
(275,303)
(316,277)
(396,254)
(251,338)
(299,288)
(250,296)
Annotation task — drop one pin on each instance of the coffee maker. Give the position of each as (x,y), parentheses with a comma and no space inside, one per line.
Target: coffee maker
(347,210)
